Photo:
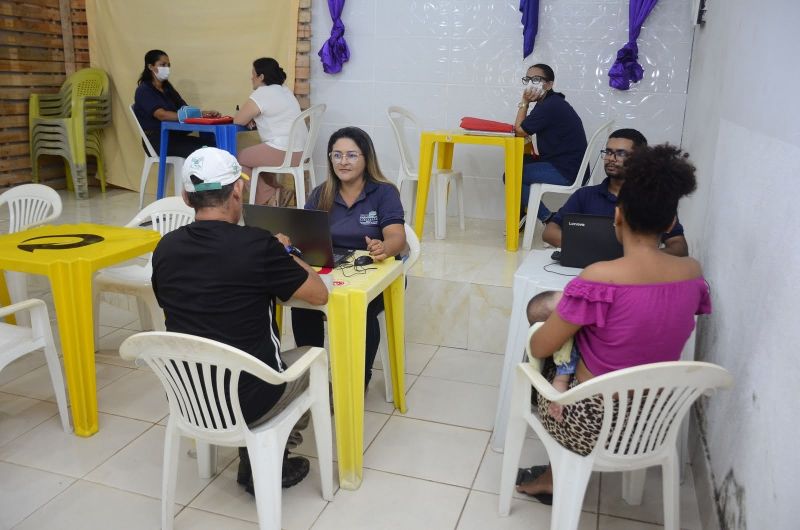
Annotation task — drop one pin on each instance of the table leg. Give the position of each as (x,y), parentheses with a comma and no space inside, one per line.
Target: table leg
(71,284)
(228,132)
(515,348)
(513,163)
(279,319)
(162,164)
(423,183)
(221,138)
(394,305)
(444,156)
(5,298)
(347,326)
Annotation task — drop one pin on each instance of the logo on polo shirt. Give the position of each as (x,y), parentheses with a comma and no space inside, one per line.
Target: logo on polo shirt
(369,219)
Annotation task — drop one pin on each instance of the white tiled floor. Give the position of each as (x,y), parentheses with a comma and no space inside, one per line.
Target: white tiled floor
(430,469)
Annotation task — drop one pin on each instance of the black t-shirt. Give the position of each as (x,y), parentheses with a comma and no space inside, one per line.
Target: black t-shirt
(219,280)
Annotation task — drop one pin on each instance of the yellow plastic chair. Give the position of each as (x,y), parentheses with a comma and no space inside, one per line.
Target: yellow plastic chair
(68,124)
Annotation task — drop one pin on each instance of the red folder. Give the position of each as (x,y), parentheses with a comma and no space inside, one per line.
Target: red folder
(210,121)
(478,124)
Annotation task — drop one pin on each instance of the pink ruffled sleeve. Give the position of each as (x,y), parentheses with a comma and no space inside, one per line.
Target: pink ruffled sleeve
(586,303)
(704,307)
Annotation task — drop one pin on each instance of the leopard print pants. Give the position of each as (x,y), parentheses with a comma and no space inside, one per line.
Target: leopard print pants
(580,426)
(581,422)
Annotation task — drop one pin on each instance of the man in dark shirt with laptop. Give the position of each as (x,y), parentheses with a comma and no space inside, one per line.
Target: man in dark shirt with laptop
(602,198)
(218,280)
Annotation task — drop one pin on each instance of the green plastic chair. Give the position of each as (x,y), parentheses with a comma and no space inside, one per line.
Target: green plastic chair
(69,124)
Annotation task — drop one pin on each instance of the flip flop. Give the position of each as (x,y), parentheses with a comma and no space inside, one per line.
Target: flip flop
(530,474)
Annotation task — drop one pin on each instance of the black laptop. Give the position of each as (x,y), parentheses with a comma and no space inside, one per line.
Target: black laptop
(308,230)
(586,239)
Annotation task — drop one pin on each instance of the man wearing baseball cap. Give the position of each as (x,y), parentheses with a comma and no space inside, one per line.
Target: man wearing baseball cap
(219,280)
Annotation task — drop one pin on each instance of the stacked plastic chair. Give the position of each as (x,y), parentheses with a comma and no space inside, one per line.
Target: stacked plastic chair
(69,124)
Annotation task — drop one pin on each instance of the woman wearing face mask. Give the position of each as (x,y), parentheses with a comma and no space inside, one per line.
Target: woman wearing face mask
(560,138)
(156,100)
(271,108)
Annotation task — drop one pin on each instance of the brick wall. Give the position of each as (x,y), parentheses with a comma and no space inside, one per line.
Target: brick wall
(41,41)
(36,54)
(302,69)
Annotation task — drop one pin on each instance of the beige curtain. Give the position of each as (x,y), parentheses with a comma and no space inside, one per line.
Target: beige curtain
(211,46)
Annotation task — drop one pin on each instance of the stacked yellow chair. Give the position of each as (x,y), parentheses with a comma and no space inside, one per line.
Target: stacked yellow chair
(69,124)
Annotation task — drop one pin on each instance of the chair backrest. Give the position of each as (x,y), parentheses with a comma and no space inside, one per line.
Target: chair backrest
(592,153)
(88,82)
(643,406)
(165,215)
(398,116)
(413,249)
(30,205)
(147,145)
(201,379)
(314,116)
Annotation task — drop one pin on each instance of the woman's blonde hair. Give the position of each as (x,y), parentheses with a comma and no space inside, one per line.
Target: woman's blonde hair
(372,171)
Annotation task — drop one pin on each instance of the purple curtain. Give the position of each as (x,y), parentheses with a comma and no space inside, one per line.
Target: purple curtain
(334,53)
(626,69)
(530,24)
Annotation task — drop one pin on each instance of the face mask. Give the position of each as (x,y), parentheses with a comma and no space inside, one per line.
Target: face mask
(535,87)
(162,73)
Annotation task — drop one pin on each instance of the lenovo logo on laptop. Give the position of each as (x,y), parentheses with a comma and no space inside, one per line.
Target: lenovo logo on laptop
(576,224)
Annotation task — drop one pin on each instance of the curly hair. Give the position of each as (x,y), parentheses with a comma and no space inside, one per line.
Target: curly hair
(655,180)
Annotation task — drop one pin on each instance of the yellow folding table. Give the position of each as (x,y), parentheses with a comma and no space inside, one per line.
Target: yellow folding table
(445,140)
(69,255)
(353,289)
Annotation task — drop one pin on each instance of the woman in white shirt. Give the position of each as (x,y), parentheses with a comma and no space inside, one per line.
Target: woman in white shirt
(272,108)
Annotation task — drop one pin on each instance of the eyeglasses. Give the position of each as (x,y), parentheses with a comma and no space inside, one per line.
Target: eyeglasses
(535,79)
(619,154)
(340,158)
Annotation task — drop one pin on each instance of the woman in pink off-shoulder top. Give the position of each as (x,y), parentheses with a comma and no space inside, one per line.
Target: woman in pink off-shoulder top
(634,310)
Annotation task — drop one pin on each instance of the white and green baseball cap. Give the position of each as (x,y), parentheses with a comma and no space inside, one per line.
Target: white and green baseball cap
(214,167)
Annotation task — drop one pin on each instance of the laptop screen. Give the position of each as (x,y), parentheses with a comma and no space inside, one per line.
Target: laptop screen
(586,239)
(308,230)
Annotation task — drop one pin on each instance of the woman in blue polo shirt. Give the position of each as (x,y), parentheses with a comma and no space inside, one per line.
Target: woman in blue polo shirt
(365,213)
(156,100)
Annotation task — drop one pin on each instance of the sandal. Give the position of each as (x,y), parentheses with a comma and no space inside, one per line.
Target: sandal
(530,474)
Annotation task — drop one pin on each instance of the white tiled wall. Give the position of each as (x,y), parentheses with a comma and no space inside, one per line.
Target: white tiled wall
(445,59)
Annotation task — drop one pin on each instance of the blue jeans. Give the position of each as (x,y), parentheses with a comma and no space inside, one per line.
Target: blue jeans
(536,173)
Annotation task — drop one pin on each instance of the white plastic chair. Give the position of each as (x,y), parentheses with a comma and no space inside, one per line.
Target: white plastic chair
(150,158)
(314,116)
(538,190)
(16,341)
(29,205)
(198,374)
(660,394)
(383,349)
(398,116)
(165,215)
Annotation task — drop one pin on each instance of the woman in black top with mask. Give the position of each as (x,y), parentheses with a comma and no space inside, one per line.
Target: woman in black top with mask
(156,100)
